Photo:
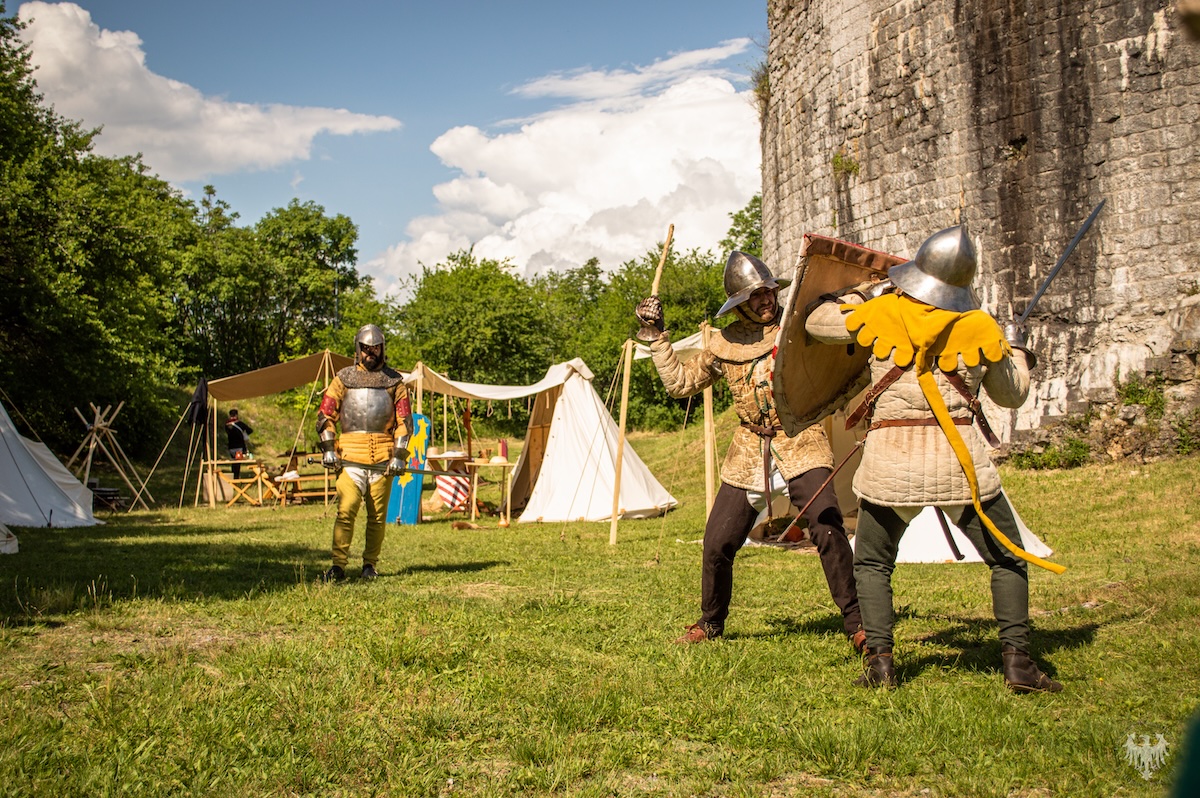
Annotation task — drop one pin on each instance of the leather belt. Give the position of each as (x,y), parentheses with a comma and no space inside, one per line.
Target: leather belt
(916,422)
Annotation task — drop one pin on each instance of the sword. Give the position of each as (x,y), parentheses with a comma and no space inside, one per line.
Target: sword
(1061,260)
(428,472)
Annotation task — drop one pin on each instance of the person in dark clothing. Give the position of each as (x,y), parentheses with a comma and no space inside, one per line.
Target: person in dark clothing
(237,439)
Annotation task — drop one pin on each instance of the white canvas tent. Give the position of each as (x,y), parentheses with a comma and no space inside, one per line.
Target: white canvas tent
(566,471)
(36,490)
(924,541)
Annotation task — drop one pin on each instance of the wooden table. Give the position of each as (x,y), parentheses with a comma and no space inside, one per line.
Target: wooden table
(506,470)
(261,483)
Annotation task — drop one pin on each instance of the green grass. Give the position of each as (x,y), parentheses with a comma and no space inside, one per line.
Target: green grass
(191,653)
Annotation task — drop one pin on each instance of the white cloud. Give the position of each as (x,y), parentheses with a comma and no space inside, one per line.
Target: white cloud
(630,152)
(100,77)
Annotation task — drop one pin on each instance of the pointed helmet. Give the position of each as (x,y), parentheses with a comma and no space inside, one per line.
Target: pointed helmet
(369,335)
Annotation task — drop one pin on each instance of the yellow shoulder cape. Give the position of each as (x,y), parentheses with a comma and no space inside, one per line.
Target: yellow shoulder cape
(915,333)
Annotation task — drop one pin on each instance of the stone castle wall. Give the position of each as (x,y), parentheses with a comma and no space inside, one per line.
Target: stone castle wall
(887,121)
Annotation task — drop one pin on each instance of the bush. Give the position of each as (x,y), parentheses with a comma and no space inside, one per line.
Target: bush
(1146,391)
(1071,453)
(1187,432)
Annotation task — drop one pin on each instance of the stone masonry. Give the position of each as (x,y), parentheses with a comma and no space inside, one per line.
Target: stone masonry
(887,121)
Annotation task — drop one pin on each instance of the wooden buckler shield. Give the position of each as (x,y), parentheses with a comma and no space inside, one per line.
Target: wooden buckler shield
(813,380)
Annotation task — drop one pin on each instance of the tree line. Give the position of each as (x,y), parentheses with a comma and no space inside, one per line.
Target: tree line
(117,288)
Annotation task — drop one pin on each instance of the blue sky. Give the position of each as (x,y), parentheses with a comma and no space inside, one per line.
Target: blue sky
(542,132)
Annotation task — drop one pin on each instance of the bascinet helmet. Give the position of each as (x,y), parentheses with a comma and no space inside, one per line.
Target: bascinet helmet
(369,335)
(942,271)
(745,274)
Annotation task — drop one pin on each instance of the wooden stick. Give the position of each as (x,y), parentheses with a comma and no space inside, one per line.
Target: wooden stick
(616,509)
(710,445)
(662,261)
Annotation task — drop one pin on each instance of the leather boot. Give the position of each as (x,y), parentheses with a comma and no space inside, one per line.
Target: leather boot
(880,671)
(698,633)
(1022,675)
(859,641)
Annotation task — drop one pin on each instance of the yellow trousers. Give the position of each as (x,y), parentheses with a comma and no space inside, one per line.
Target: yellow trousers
(356,487)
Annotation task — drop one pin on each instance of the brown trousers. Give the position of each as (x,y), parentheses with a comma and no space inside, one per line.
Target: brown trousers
(729,525)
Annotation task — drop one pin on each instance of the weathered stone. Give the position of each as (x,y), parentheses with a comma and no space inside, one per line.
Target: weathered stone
(1017,123)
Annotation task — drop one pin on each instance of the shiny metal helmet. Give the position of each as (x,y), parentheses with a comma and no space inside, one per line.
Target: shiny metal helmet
(942,271)
(745,274)
(369,335)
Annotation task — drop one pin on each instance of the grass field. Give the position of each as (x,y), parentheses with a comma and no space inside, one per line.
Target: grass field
(191,653)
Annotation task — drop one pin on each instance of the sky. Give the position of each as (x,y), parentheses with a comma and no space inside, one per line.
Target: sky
(544,132)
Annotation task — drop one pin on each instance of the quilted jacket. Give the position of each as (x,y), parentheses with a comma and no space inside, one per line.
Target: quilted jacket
(914,466)
(743,354)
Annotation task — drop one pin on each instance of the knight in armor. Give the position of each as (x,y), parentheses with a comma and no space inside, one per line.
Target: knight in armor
(932,349)
(370,403)
(761,460)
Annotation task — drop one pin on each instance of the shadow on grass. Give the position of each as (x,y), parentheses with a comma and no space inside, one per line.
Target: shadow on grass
(973,641)
(976,648)
(452,568)
(66,570)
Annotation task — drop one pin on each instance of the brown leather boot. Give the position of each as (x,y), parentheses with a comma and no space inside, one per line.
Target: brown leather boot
(1022,675)
(698,633)
(880,671)
(859,641)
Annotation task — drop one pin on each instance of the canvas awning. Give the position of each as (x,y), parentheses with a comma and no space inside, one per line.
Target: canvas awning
(280,377)
(556,375)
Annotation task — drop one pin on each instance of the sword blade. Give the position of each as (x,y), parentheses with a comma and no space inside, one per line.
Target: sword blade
(1061,260)
(421,471)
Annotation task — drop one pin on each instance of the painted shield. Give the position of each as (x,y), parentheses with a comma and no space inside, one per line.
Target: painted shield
(813,380)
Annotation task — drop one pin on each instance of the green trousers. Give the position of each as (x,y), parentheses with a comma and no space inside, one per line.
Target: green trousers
(878,538)
(353,491)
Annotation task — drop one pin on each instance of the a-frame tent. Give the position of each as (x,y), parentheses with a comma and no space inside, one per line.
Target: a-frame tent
(37,490)
(566,471)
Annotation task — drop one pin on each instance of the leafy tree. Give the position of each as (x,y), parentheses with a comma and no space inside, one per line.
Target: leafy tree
(745,234)
(313,257)
(256,296)
(86,252)
(473,319)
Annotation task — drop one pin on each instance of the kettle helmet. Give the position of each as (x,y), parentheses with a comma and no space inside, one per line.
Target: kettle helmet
(941,272)
(745,274)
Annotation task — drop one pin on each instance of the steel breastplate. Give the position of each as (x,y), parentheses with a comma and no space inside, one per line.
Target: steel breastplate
(367,410)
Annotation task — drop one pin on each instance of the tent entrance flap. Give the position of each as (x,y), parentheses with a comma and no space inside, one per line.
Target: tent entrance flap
(537,436)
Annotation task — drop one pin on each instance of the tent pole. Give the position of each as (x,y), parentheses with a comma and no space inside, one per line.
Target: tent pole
(210,471)
(616,511)
(709,435)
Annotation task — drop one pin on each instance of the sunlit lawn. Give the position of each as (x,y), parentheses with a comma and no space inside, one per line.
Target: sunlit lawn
(191,652)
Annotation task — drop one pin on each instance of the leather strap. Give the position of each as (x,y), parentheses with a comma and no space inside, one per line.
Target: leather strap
(955,379)
(868,404)
(766,433)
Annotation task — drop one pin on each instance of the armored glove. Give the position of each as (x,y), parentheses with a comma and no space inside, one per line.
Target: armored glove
(398,464)
(1017,338)
(650,314)
(329,455)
